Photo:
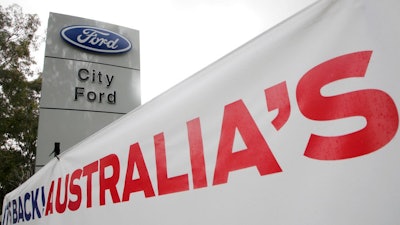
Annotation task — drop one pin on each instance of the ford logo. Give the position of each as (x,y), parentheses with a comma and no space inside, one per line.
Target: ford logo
(95,39)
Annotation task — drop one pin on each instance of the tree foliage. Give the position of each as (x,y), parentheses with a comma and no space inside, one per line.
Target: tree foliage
(19,97)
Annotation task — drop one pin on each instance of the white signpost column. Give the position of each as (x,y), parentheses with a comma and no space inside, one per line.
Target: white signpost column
(91,77)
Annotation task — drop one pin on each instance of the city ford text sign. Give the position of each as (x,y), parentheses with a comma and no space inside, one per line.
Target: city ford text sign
(95,39)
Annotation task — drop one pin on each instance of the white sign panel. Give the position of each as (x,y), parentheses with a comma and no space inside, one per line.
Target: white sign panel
(91,77)
(298,126)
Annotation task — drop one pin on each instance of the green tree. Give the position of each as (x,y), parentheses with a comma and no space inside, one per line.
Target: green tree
(19,97)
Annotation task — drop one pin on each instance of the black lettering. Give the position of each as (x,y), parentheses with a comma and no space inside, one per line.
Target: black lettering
(99,74)
(79,91)
(112,98)
(101,96)
(83,74)
(93,76)
(91,96)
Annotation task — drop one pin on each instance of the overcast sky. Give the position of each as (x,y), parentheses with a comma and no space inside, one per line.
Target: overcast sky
(177,37)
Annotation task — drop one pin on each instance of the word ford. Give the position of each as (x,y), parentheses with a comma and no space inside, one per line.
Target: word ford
(95,39)
(90,36)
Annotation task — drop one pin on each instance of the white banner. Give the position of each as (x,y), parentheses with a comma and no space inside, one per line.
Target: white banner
(298,126)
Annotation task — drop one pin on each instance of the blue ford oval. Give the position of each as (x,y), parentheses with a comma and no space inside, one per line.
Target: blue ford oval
(96,39)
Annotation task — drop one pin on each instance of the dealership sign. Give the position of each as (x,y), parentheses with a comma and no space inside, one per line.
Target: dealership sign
(298,126)
(96,39)
(86,84)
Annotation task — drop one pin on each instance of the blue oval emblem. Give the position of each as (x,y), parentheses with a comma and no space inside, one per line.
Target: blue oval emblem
(96,39)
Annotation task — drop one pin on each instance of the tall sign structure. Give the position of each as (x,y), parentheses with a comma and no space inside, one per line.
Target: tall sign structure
(91,77)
